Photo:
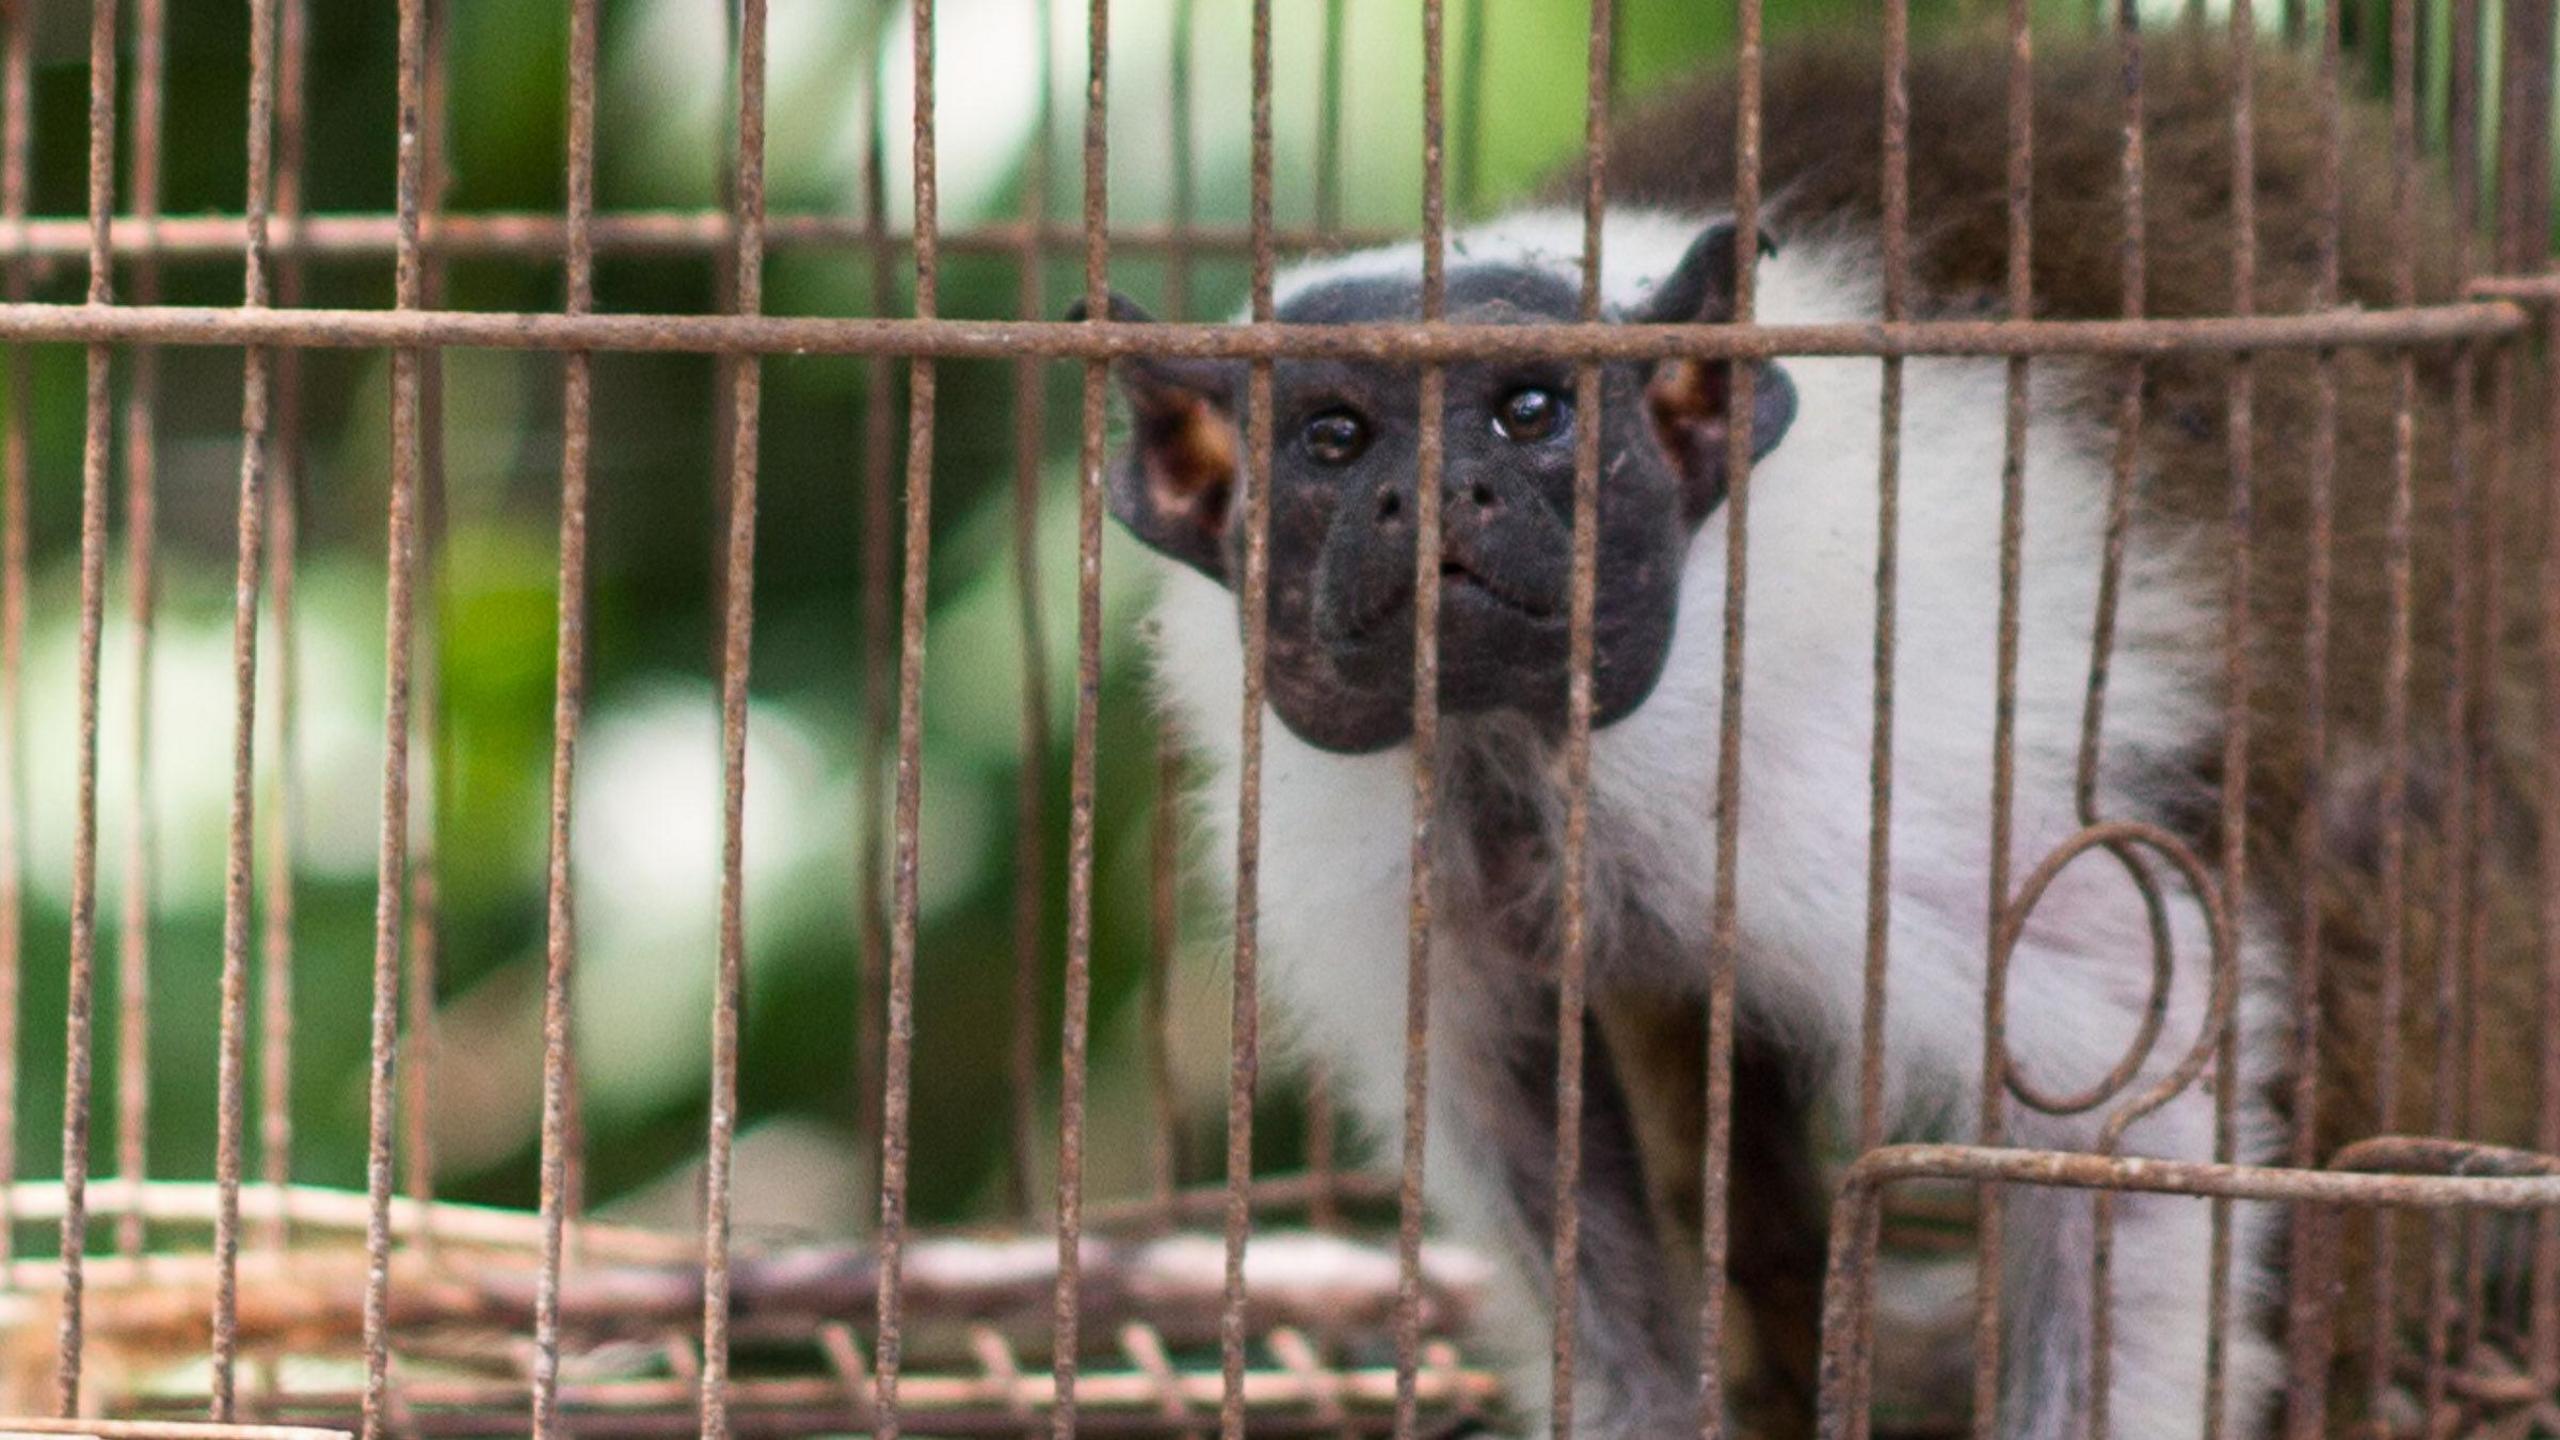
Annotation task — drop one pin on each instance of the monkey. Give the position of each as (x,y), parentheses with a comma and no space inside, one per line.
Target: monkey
(1337,767)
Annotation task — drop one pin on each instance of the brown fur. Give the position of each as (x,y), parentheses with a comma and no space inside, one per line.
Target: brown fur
(1822,167)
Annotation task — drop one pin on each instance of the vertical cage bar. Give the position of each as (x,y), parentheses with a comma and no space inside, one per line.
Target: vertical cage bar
(1993,1121)
(1076,1020)
(399,612)
(1430,461)
(879,669)
(1031,823)
(1323,1119)
(238,894)
(429,763)
(2545,1330)
(737,639)
(1244,1032)
(2241,403)
(2452,1238)
(1896,216)
(96,440)
(2524,247)
(275,1088)
(902,943)
(16,135)
(1724,924)
(2127,462)
(141,467)
(2394,802)
(1897,307)
(1582,603)
(2492,621)
(568,714)
(2308,1305)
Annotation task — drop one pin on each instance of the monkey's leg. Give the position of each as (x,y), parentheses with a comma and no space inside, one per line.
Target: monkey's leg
(1636,1361)
(1776,1206)
(1780,1234)
(2159,1299)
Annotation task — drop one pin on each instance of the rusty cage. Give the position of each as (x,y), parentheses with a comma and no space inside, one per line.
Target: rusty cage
(272,1308)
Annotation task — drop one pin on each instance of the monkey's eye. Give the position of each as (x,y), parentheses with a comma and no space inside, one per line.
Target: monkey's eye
(1335,437)
(1530,413)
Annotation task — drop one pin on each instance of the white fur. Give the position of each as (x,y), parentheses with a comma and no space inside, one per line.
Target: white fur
(1335,829)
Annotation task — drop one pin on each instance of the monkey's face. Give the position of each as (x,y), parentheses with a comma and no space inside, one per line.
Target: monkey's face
(1345,468)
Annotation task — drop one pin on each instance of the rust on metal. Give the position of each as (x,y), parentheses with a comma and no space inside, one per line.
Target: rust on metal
(16,143)
(96,439)
(927,338)
(568,711)
(275,1127)
(141,526)
(1244,1025)
(745,376)
(899,1047)
(231,1092)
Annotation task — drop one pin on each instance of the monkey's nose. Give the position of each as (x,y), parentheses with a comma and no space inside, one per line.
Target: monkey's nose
(1390,507)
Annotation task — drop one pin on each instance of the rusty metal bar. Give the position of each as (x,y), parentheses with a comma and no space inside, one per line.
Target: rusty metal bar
(1076,1023)
(1430,463)
(2307,1306)
(2394,800)
(1574,970)
(1724,922)
(283,514)
(1896,181)
(568,713)
(902,942)
(96,440)
(1856,1344)
(431,765)
(2464,837)
(141,467)
(879,671)
(2237,677)
(399,604)
(2524,249)
(737,639)
(238,895)
(1244,1026)
(1993,1121)
(924,338)
(16,143)
(534,235)
(1323,1120)
(2127,457)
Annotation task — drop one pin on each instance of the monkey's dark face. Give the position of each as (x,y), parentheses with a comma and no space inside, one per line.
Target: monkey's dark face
(1345,466)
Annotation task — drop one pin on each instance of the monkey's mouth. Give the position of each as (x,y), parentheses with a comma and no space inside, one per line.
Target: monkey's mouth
(1459,579)
(1467,591)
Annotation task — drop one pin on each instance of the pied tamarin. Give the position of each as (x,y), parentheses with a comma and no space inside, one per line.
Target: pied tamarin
(1337,768)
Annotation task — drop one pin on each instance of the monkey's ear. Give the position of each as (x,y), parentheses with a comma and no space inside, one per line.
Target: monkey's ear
(1176,486)
(1690,401)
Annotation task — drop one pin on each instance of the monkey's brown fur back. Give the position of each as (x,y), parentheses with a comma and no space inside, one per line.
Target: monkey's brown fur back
(1822,152)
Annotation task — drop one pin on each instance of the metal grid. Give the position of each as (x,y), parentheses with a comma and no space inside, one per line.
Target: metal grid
(392,1281)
